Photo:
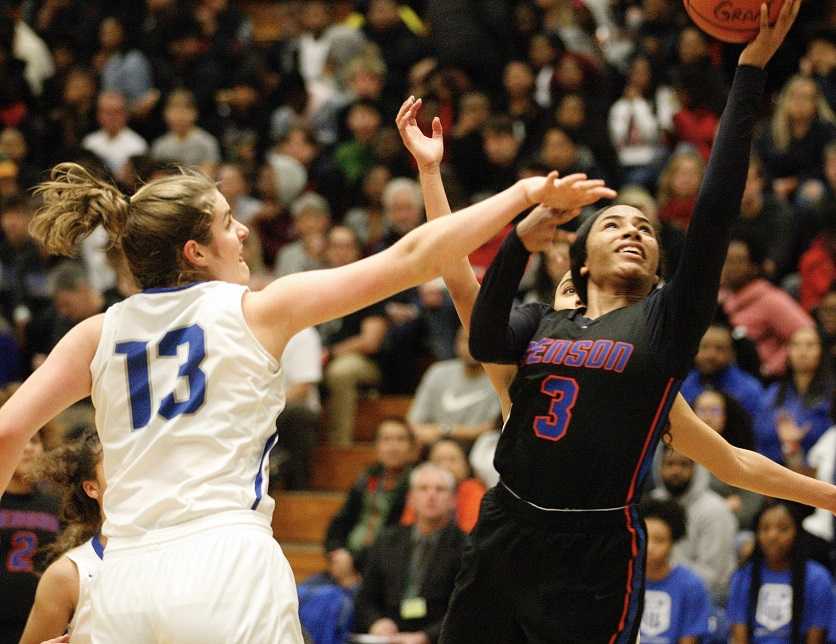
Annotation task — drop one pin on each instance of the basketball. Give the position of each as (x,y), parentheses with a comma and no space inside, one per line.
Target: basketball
(734,21)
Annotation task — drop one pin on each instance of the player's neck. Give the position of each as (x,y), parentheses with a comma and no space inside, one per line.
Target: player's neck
(658,571)
(601,301)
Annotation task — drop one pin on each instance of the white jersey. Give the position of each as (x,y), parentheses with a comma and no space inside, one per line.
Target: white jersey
(186,403)
(87,559)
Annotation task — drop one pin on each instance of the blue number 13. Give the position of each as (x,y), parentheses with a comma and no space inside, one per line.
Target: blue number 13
(139,386)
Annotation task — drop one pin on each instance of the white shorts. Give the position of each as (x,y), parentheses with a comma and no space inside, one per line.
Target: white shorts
(202,583)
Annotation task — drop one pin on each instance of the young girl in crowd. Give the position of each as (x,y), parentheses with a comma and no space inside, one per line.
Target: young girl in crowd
(62,600)
(727,417)
(676,602)
(779,596)
(796,410)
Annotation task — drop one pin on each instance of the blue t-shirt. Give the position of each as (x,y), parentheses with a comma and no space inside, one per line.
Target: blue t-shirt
(773,616)
(677,606)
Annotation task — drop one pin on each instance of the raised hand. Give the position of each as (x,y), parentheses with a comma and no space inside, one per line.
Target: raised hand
(538,229)
(427,151)
(567,193)
(769,38)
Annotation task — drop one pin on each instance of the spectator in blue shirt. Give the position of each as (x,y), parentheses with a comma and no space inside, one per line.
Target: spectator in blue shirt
(676,601)
(779,596)
(714,366)
(796,410)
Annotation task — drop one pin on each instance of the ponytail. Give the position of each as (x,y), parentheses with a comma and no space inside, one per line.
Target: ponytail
(74,203)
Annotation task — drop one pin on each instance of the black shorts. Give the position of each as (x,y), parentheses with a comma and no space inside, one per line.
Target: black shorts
(537,577)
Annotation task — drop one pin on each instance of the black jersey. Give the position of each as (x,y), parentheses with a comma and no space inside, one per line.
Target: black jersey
(591,396)
(28,522)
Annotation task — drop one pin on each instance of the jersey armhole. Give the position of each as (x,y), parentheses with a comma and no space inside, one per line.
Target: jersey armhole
(97,364)
(272,361)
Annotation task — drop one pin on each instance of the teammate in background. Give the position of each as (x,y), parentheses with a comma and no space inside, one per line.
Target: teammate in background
(676,602)
(779,595)
(62,600)
(187,386)
(28,524)
(688,434)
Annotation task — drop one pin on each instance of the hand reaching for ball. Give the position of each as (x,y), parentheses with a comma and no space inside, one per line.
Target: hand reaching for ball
(769,38)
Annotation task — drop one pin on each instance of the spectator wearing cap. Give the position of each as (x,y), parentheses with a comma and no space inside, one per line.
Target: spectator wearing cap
(185,142)
(768,314)
(114,142)
(312,218)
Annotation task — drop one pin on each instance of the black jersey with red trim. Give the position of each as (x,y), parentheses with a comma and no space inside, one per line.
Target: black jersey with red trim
(590,401)
(591,396)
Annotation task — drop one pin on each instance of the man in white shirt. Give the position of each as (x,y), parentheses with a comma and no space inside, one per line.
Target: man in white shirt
(115,143)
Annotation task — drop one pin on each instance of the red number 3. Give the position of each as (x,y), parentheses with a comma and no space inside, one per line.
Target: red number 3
(564,393)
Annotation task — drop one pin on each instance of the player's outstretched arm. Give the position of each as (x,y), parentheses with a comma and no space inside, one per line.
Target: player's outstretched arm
(693,287)
(63,379)
(741,467)
(458,275)
(297,301)
(55,602)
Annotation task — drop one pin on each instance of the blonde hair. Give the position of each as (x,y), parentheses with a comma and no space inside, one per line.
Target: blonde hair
(150,228)
(780,128)
(665,191)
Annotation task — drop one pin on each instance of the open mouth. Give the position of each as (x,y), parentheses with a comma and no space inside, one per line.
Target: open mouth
(631,250)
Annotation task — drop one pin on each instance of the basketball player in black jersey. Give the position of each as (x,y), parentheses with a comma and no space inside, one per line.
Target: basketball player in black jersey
(558,553)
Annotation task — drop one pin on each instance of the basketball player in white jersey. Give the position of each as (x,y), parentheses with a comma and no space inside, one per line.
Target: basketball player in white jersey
(186,384)
(62,600)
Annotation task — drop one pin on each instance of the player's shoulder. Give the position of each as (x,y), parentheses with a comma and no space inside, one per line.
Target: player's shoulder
(61,572)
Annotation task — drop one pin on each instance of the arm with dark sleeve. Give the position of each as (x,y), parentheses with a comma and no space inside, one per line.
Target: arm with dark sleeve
(688,302)
(499,334)
(346,518)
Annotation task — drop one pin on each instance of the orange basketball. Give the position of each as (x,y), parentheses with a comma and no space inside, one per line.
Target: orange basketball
(730,20)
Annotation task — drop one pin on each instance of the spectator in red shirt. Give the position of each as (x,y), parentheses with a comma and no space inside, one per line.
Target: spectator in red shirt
(768,314)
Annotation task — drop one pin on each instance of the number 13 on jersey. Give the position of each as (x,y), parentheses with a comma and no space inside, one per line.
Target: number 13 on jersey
(563,393)
(139,386)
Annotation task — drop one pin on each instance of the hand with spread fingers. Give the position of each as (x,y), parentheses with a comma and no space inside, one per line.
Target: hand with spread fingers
(758,52)
(566,193)
(428,151)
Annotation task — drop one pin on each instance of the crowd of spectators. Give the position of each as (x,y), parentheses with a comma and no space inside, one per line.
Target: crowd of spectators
(295,121)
